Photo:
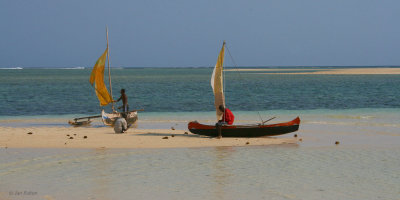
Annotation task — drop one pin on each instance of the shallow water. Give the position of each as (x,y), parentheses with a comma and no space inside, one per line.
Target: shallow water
(268,172)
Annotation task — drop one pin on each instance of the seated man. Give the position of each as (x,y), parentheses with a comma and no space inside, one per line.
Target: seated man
(227,118)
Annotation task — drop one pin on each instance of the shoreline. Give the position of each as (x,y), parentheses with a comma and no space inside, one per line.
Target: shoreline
(104,137)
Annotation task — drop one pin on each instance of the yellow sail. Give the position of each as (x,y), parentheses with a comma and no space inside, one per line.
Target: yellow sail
(97,78)
(217,83)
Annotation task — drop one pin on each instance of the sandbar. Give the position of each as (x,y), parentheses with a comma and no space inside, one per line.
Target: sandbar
(104,137)
(336,71)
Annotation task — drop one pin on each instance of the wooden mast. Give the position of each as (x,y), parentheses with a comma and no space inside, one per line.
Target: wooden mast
(223,81)
(109,71)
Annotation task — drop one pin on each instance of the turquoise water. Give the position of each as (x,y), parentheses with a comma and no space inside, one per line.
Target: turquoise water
(37,92)
(272,172)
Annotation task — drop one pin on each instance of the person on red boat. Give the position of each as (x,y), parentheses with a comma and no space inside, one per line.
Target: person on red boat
(227,118)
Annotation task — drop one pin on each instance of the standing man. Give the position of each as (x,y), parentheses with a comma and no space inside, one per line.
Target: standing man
(227,118)
(125,106)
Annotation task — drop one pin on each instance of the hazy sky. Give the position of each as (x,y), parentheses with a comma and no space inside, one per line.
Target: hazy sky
(179,33)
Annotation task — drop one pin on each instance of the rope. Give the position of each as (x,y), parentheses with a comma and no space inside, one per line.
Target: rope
(240,76)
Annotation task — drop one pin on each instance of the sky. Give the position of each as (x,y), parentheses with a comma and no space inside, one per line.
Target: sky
(188,33)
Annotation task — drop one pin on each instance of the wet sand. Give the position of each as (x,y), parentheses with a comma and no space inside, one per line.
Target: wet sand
(104,137)
(348,71)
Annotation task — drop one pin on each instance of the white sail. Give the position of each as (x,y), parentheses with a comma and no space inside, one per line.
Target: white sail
(217,83)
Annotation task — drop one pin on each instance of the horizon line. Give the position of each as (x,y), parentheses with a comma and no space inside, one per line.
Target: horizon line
(271,66)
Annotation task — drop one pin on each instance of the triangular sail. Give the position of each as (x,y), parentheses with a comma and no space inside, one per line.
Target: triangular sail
(97,78)
(217,83)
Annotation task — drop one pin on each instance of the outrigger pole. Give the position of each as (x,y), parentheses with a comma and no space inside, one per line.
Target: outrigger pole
(98,116)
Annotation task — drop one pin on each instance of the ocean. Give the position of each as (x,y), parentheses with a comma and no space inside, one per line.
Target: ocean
(359,111)
(54,92)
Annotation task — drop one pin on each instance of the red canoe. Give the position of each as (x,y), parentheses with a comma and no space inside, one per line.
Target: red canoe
(255,130)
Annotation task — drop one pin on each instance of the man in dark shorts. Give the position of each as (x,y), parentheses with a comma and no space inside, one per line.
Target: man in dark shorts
(125,106)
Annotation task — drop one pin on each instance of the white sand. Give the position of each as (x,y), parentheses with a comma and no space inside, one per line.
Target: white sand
(104,137)
(349,71)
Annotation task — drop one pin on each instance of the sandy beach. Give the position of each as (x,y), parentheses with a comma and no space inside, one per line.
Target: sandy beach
(348,71)
(104,137)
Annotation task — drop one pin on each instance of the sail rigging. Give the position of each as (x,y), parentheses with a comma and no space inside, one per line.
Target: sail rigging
(217,83)
(97,80)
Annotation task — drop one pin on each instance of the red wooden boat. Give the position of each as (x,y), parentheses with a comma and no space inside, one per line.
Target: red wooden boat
(255,130)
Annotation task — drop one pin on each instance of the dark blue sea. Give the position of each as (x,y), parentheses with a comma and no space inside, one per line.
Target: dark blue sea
(35,92)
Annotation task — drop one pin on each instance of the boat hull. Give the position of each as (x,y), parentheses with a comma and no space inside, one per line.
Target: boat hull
(110,118)
(256,130)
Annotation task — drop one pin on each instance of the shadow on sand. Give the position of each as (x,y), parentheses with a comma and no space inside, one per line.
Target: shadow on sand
(174,135)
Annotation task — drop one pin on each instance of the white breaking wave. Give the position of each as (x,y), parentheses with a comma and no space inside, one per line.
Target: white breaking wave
(61,68)
(73,68)
(12,68)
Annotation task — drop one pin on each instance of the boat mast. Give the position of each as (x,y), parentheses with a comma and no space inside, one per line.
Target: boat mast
(109,71)
(223,81)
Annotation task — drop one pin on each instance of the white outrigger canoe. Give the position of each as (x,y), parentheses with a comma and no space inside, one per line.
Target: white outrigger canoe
(110,118)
